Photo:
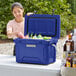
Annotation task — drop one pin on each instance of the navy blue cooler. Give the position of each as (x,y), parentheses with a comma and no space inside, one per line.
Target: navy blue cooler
(39,51)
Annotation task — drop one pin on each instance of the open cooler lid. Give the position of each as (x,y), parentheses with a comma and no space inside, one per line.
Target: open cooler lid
(44,24)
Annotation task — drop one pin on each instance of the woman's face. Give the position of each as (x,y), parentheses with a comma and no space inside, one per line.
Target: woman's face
(17,12)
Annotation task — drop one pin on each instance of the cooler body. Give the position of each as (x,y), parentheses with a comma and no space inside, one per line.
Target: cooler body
(35,51)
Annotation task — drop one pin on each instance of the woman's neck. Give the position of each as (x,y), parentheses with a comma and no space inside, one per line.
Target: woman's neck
(19,20)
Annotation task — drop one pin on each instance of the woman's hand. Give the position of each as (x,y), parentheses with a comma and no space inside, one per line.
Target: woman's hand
(29,13)
(20,35)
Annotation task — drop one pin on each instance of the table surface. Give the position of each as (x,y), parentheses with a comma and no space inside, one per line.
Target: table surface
(9,60)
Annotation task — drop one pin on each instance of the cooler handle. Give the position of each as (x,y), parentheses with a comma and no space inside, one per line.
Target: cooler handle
(53,42)
(56,49)
(54,45)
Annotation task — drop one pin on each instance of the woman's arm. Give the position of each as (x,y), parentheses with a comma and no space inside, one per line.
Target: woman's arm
(11,34)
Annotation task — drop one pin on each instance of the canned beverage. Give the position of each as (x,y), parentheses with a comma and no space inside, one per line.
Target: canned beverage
(69,60)
(74,62)
(68,64)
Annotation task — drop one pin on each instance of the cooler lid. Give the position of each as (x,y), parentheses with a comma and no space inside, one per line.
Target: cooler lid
(44,24)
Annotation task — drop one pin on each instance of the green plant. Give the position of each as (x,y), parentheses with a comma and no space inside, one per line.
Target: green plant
(62,8)
(63,33)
